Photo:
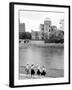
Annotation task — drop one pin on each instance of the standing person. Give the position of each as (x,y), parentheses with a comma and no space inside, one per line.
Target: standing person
(27,69)
(38,70)
(32,70)
(43,73)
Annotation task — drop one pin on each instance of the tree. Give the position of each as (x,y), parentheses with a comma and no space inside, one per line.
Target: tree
(24,35)
(28,35)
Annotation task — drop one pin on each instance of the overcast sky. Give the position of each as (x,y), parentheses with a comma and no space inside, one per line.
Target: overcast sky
(33,19)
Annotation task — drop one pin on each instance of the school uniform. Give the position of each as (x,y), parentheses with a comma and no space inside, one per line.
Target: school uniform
(43,73)
(38,71)
(27,69)
(32,70)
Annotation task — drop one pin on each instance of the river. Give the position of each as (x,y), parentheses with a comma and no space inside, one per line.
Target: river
(52,58)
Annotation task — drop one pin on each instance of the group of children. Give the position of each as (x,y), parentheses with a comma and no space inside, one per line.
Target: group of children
(35,70)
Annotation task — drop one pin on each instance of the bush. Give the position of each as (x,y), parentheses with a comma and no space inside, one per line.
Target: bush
(24,35)
(54,41)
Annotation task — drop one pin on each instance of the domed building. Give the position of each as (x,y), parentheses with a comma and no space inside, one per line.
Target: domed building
(47,27)
(47,19)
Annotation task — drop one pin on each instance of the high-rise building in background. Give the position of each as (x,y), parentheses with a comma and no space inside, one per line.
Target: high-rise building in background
(21,27)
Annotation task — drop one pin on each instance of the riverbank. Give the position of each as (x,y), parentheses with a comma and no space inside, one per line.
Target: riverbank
(51,73)
(38,43)
(49,45)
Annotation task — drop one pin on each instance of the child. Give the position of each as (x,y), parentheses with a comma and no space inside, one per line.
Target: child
(43,73)
(38,70)
(32,70)
(27,69)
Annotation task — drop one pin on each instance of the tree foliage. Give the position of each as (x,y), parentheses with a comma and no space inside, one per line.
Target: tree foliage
(24,35)
(55,39)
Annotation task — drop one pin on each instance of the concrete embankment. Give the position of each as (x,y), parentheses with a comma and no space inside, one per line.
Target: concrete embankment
(38,43)
(42,44)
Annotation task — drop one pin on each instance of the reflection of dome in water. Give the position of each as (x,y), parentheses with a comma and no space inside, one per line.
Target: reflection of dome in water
(47,19)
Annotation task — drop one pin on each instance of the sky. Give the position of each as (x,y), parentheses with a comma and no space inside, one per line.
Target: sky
(33,19)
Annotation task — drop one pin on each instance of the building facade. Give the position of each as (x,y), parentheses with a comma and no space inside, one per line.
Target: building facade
(21,27)
(47,28)
(41,27)
(36,35)
(48,31)
(53,32)
(42,31)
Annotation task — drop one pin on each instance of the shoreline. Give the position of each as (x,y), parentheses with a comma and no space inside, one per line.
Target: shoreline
(48,45)
(38,43)
(51,73)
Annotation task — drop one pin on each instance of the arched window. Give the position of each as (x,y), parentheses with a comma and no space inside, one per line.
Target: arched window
(49,30)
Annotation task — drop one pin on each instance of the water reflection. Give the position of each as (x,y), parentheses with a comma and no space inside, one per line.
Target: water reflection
(52,58)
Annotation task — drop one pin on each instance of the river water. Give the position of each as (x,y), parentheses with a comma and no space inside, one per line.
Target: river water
(51,58)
